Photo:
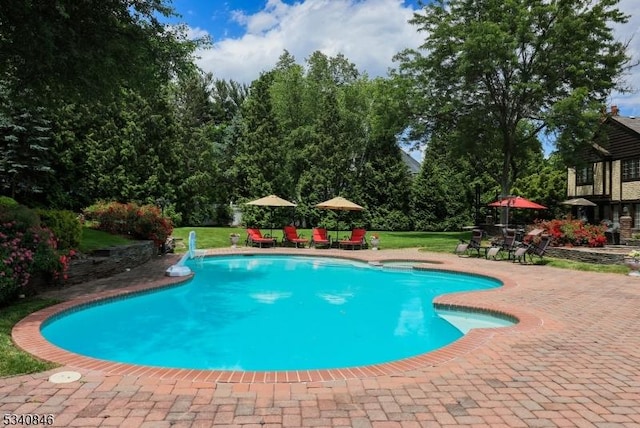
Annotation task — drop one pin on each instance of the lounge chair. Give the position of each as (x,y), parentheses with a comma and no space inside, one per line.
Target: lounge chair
(475,243)
(357,240)
(291,237)
(255,238)
(532,249)
(509,243)
(320,238)
(461,248)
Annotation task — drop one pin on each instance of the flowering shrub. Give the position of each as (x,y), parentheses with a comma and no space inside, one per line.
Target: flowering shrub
(112,217)
(574,233)
(23,253)
(15,261)
(141,222)
(150,224)
(60,275)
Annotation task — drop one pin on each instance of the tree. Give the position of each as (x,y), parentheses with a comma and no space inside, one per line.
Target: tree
(82,49)
(491,66)
(440,197)
(384,182)
(203,108)
(129,150)
(26,150)
(548,186)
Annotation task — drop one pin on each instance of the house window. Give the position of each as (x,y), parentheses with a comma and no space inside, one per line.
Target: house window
(636,217)
(631,169)
(584,175)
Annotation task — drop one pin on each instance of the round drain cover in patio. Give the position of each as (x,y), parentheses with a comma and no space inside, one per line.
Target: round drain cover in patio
(64,377)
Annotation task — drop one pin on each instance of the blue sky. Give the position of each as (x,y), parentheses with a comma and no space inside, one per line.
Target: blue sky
(220,18)
(249,35)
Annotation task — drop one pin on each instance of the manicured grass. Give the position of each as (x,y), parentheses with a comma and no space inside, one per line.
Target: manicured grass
(93,239)
(12,360)
(587,267)
(218,237)
(441,242)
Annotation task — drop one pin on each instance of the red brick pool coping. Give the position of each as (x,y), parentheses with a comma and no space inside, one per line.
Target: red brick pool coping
(26,334)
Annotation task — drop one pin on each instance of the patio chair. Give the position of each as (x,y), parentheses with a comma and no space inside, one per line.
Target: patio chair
(357,240)
(255,238)
(474,244)
(532,249)
(461,248)
(509,243)
(291,237)
(320,238)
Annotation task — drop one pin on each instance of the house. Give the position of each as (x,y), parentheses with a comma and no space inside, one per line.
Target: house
(610,173)
(412,164)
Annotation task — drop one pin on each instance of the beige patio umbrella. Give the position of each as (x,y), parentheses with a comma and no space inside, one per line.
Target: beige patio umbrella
(339,204)
(579,202)
(271,201)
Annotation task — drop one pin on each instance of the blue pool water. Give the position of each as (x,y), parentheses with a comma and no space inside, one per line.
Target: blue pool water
(270,313)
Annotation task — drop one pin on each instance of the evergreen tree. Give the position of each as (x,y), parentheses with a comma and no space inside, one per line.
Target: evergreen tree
(25,158)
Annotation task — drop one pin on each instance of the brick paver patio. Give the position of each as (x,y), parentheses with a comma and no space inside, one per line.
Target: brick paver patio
(574,360)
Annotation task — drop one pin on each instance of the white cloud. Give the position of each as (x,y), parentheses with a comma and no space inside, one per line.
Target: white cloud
(196,33)
(629,104)
(367,32)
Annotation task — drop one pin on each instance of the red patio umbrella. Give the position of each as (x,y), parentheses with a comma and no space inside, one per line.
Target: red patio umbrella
(517,202)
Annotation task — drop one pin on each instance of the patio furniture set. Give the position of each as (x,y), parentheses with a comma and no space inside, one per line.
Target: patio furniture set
(319,239)
(510,246)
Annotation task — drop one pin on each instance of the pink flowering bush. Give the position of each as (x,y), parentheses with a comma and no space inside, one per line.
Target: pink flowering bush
(26,248)
(15,261)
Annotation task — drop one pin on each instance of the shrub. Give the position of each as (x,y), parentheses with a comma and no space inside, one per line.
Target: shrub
(574,232)
(15,261)
(112,217)
(26,252)
(150,224)
(6,201)
(23,217)
(65,225)
(140,222)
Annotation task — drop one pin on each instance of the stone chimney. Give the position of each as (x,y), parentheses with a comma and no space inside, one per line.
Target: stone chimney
(614,111)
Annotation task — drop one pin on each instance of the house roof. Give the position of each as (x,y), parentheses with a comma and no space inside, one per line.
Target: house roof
(413,165)
(622,138)
(633,123)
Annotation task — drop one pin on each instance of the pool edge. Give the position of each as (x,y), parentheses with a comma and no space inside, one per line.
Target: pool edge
(27,336)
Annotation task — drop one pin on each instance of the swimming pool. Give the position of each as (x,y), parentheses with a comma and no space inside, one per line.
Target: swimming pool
(270,313)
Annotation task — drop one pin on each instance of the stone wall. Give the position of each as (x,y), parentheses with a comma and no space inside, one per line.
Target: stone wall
(109,261)
(585,255)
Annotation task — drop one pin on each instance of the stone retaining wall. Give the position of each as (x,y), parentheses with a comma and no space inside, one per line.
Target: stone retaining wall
(109,261)
(584,255)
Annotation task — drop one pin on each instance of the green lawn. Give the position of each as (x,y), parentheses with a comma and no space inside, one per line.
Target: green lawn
(93,239)
(441,242)
(12,360)
(218,237)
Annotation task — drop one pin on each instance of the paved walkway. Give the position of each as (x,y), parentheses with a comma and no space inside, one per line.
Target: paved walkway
(573,361)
